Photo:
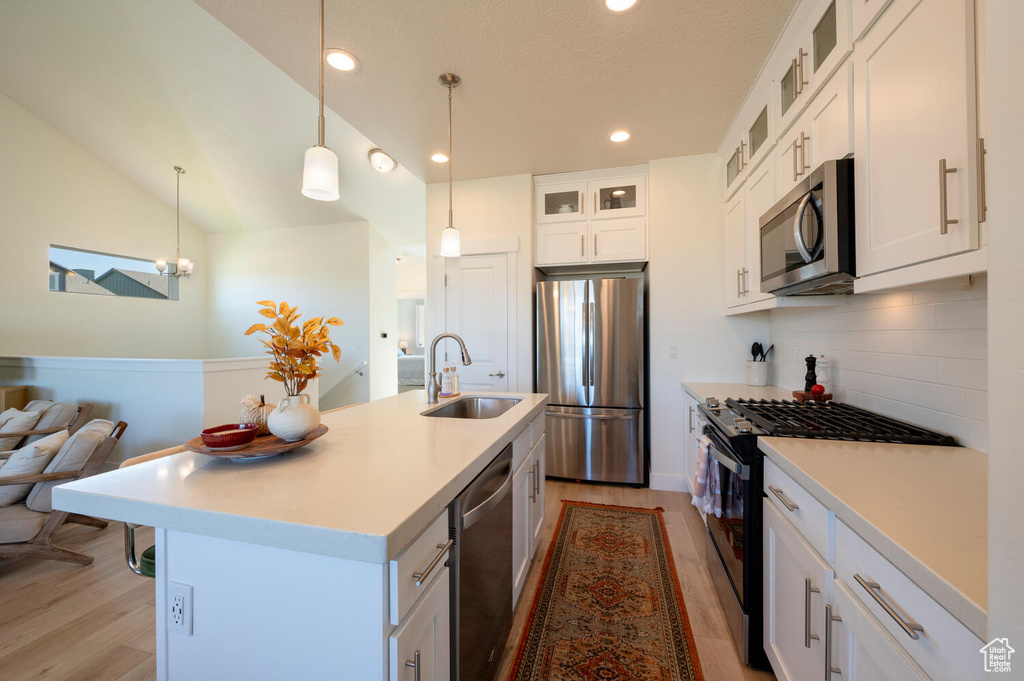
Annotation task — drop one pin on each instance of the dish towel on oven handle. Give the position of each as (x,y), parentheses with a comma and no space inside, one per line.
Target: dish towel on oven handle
(707,492)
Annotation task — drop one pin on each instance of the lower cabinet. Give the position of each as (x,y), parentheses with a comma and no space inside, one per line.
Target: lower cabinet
(420,647)
(537,498)
(691,435)
(522,528)
(797,585)
(860,649)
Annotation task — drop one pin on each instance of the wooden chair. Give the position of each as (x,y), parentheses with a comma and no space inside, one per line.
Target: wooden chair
(40,545)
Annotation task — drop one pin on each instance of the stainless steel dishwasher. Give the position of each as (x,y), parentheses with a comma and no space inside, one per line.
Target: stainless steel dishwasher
(480,522)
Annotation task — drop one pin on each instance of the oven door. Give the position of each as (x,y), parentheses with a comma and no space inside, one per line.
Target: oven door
(731,553)
(801,235)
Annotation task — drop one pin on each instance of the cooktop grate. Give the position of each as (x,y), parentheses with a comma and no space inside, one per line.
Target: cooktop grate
(834,421)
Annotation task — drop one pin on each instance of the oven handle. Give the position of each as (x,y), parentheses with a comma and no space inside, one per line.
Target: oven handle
(724,459)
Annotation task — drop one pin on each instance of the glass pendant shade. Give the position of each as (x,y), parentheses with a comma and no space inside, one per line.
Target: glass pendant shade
(320,174)
(450,243)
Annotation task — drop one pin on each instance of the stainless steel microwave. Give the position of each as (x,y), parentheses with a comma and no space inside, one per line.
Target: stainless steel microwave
(807,245)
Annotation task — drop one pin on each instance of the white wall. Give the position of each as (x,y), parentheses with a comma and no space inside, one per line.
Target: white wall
(412,276)
(323,270)
(52,191)
(918,356)
(687,297)
(383,301)
(1005,54)
(485,209)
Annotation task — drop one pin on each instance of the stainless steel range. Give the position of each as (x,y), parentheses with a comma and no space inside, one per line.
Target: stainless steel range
(734,545)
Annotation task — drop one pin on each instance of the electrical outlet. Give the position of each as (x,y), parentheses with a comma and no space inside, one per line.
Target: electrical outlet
(673,351)
(179,608)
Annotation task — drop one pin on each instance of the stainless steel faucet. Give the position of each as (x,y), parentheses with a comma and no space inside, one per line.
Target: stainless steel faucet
(434,385)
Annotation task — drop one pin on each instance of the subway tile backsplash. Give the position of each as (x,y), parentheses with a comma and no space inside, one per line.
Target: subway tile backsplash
(917,356)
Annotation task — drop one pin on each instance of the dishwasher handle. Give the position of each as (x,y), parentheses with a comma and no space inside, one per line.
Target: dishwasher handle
(470,517)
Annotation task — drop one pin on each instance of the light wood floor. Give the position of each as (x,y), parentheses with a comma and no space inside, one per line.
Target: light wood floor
(715,649)
(63,622)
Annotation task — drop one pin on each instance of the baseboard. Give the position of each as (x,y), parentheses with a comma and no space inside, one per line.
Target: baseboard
(669,483)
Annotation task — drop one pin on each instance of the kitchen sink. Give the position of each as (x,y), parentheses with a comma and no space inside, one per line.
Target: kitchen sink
(475,408)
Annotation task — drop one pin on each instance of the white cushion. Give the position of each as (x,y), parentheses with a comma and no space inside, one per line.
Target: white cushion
(29,460)
(18,524)
(72,457)
(52,415)
(15,421)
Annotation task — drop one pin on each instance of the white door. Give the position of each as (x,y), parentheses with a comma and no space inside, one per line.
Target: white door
(522,528)
(477,303)
(562,202)
(619,198)
(539,463)
(861,649)
(760,198)
(562,243)
(619,240)
(796,587)
(915,110)
(735,251)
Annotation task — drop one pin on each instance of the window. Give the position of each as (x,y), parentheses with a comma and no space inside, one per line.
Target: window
(74,270)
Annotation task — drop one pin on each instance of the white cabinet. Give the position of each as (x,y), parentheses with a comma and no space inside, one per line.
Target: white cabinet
(813,45)
(823,132)
(539,466)
(797,585)
(860,649)
(863,14)
(619,240)
(562,243)
(591,217)
(735,250)
(760,197)
(563,202)
(753,134)
(915,135)
(420,648)
(691,434)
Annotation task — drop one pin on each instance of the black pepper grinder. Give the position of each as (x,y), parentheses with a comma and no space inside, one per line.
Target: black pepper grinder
(811,377)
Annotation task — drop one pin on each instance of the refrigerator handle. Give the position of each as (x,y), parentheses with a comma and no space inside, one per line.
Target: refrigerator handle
(586,339)
(590,347)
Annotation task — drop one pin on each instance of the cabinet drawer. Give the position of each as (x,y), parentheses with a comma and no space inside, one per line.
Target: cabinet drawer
(944,647)
(537,429)
(421,647)
(415,559)
(805,512)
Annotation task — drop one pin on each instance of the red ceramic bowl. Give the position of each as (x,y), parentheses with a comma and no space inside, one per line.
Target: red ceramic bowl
(229,436)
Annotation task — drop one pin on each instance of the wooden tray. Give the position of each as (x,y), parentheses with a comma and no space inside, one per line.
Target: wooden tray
(260,448)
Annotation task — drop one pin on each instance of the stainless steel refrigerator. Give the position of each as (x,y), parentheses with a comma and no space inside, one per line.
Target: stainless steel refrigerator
(590,361)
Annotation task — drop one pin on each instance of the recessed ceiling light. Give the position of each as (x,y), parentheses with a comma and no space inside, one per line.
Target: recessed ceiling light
(619,136)
(619,5)
(381,162)
(341,59)
(439,158)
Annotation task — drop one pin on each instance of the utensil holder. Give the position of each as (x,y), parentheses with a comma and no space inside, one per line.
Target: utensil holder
(757,373)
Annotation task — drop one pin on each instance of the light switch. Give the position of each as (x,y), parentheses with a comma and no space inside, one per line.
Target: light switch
(673,351)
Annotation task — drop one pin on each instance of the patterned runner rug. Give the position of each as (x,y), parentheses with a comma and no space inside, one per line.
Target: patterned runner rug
(609,606)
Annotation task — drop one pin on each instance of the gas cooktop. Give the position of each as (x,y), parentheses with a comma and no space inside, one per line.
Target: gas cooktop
(832,421)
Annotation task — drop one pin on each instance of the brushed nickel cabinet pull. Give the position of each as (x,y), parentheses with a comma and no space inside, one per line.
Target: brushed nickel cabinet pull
(808,590)
(796,87)
(583,245)
(804,139)
(583,206)
(739,284)
(829,619)
(595,245)
(531,487)
(743,155)
(790,506)
(415,664)
(982,191)
(799,61)
(874,588)
(421,577)
(944,221)
(689,418)
(536,480)
(796,147)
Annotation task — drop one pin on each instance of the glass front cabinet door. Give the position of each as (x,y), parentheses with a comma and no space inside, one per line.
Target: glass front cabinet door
(619,198)
(562,202)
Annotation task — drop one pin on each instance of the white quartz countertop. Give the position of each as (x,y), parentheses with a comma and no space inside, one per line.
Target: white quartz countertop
(365,490)
(924,508)
(737,391)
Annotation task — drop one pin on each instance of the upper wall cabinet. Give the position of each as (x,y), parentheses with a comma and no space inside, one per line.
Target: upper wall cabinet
(753,135)
(915,131)
(815,43)
(562,202)
(863,14)
(823,132)
(591,217)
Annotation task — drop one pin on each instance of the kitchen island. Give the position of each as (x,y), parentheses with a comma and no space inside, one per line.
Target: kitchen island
(293,567)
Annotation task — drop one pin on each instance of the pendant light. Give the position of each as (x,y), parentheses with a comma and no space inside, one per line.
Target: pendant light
(450,243)
(320,169)
(182,266)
